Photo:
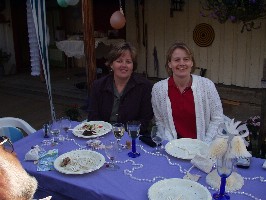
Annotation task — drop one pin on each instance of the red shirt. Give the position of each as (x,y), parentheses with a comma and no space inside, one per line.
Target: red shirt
(183,110)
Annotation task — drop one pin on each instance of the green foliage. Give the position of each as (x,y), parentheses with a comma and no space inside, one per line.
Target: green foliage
(234,10)
(253,125)
(73,112)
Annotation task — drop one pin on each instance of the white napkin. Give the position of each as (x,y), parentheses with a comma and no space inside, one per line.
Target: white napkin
(33,154)
(192,177)
(203,163)
(95,144)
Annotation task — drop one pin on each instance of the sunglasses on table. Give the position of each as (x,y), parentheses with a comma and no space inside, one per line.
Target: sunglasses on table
(6,143)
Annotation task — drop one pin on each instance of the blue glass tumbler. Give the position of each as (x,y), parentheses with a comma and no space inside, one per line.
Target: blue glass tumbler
(133,129)
(224,169)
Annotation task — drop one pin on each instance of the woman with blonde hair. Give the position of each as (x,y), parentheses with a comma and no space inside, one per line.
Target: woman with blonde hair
(187,105)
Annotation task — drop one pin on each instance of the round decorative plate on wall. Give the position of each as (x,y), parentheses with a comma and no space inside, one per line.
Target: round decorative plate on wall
(203,35)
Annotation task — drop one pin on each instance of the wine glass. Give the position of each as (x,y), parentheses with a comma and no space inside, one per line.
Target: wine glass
(157,137)
(118,130)
(65,125)
(111,151)
(224,167)
(54,129)
(133,129)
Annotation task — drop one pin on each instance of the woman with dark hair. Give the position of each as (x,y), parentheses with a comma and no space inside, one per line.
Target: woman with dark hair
(187,105)
(122,95)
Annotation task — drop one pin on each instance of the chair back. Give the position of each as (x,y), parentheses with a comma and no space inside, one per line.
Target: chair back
(10,126)
(14,134)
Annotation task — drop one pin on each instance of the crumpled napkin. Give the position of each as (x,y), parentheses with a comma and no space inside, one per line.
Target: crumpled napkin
(203,163)
(33,154)
(192,177)
(95,144)
(46,160)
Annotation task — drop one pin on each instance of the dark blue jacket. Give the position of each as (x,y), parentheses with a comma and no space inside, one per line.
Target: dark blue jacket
(135,103)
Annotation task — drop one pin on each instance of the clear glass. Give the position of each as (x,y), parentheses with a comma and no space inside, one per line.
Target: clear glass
(54,129)
(65,125)
(157,136)
(133,129)
(224,167)
(118,130)
(111,151)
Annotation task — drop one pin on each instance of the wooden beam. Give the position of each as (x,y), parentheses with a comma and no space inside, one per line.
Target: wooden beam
(89,41)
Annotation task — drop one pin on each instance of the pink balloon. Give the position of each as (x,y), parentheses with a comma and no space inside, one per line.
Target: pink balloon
(117,20)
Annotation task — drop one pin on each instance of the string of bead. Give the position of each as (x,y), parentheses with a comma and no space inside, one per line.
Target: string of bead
(74,141)
(167,158)
(261,179)
(136,166)
(50,141)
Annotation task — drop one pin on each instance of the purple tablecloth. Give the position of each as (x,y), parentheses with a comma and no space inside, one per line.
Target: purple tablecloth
(104,184)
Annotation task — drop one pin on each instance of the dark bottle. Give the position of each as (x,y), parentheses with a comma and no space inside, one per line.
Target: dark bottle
(46,131)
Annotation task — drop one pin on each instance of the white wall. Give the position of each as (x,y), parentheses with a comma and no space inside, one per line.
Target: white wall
(234,58)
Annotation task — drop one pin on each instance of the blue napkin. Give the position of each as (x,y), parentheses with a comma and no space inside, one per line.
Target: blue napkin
(46,160)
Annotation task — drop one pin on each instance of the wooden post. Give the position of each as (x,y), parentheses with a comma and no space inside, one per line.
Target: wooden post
(89,41)
(262,135)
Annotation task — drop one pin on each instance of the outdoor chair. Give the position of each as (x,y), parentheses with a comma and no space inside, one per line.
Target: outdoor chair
(15,128)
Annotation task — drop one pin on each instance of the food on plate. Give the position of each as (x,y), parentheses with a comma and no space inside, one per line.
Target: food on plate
(65,162)
(91,126)
(88,133)
(90,129)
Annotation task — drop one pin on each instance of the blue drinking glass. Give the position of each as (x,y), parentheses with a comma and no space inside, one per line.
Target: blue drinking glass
(133,129)
(224,169)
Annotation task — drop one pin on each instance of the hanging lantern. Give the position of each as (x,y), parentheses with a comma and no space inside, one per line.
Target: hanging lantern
(117,20)
(62,3)
(72,2)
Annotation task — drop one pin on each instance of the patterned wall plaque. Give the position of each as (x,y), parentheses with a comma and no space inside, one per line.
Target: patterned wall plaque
(203,35)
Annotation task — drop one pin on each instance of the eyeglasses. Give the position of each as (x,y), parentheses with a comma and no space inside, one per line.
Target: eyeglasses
(7,144)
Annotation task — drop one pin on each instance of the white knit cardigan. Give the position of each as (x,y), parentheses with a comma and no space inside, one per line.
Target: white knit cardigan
(208,108)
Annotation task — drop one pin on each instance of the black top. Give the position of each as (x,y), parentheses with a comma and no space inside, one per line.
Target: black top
(135,102)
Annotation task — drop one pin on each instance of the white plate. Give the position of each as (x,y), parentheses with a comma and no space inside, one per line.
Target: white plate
(81,161)
(106,128)
(185,148)
(178,189)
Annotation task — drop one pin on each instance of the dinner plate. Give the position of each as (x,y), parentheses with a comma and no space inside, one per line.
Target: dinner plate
(178,189)
(81,161)
(185,148)
(101,128)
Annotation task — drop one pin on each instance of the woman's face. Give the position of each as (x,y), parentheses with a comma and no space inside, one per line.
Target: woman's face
(123,66)
(181,63)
